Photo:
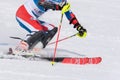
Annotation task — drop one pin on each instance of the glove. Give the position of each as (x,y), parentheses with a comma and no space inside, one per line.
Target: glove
(82,32)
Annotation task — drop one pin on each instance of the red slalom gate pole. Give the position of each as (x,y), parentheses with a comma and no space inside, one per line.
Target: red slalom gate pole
(55,49)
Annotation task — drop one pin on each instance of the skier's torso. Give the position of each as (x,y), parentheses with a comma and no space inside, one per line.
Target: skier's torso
(36,10)
(33,8)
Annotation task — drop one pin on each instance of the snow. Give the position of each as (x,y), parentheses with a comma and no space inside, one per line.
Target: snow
(100,18)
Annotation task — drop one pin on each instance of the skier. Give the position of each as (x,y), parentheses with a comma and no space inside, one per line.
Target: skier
(42,32)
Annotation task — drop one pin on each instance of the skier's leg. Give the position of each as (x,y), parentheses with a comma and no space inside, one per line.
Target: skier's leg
(42,37)
(44,32)
(27,21)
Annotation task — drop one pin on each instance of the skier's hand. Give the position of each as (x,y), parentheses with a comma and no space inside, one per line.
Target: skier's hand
(65,8)
(82,32)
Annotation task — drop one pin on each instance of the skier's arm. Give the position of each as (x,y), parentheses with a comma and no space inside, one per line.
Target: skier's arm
(73,20)
(65,8)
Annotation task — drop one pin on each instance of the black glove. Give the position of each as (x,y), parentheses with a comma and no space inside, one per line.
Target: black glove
(82,31)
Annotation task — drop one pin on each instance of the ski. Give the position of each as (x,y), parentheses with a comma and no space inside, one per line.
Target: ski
(37,56)
(77,60)
(65,60)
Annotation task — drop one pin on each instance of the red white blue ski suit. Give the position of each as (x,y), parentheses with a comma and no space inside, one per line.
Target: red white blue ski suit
(28,13)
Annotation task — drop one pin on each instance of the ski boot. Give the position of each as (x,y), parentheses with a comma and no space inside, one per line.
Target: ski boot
(42,37)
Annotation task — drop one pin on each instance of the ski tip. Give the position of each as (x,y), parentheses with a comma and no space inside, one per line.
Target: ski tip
(95,60)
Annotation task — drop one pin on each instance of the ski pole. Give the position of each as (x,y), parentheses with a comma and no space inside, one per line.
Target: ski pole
(56,43)
(63,39)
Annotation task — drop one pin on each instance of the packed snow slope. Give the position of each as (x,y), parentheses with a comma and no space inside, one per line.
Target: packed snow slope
(101,18)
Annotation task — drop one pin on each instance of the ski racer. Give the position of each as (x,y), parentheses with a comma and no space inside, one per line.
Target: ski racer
(40,31)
